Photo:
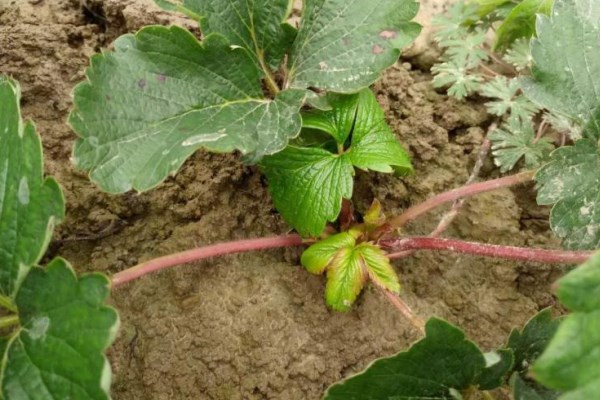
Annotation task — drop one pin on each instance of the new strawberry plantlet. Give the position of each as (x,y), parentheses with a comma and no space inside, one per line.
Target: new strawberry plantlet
(55,325)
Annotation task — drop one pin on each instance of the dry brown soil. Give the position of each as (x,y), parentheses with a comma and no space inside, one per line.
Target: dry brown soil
(255,326)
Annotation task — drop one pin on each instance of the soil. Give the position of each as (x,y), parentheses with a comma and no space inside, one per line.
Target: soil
(255,326)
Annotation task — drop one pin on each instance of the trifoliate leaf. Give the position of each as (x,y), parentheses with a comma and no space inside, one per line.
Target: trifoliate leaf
(374,146)
(519,55)
(508,100)
(30,205)
(497,365)
(58,353)
(571,362)
(348,267)
(258,26)
(451,25)
(515,141)
(307,186)
(462,83)
(466,51)
(161,95)
(308,183)
(520,23)
(434,368)
(339,121)
(569,182)
(343,45)
(566,73)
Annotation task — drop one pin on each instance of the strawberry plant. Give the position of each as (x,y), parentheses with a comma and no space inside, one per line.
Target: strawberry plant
(296,103)
(55,325)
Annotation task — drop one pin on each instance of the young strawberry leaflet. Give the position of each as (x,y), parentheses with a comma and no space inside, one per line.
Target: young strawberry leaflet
(349,265)
(520,22)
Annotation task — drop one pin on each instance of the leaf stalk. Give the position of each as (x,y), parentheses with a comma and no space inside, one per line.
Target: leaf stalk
(8,321)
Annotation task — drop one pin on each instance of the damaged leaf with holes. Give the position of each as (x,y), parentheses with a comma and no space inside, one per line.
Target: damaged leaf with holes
(309,179)
(162,94)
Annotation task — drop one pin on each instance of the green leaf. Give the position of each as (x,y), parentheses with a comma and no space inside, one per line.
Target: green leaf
(508,100)
(569,182)
(487,7)
(374,146)
(377,266)
(343,45)
(526,389)
(519,55)
(348,267)
(580,289)
(339,121)
(571,362)
(318,256)
(30,205)
(346,276)
(308,183)
(58,352)
(307,186)
(498,365)
(258,26)
(452,24)
(462,82)
(528,344)
(520,23)
(467,50)
(442,362)
(566,73)
(516,141)
(161,95)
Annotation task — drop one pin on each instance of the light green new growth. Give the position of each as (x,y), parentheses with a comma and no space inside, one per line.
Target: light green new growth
(349,266)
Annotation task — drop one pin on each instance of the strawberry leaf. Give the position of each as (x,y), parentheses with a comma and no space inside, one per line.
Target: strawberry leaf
(436,367)
(65,329)
(258,26)
(374,146)
(308,183)
(571,362)
(307,186)
(569,182)
(566,72)
(30,205)
(349,266)
(161,95)
(343,45)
